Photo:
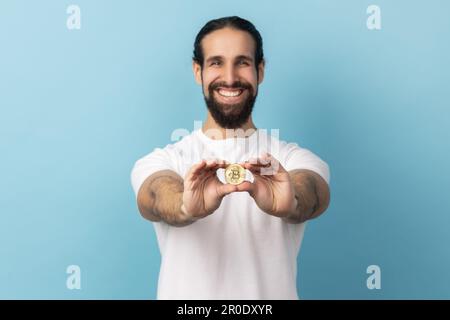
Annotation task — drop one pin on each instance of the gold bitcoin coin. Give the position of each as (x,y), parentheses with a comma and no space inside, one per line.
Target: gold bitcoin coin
(234,174)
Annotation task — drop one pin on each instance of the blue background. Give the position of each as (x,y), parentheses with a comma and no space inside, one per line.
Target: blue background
(79,107)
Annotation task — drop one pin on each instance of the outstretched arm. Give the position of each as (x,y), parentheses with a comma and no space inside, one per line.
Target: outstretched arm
(294,196)
(160,198)
(166,196)
(312,195)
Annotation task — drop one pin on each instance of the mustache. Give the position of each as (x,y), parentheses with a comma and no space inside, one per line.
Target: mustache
(234,85)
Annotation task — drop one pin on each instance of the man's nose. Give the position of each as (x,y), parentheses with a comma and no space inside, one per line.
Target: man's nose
(230,76)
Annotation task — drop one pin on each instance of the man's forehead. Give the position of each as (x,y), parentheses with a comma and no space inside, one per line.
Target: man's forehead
(228,43)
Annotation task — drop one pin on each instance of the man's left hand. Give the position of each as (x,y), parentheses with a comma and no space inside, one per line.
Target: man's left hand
(272,188)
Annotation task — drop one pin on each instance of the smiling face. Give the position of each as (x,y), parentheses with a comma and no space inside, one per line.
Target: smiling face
(229,76)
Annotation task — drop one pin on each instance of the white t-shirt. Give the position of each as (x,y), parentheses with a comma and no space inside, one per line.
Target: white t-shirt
(238,252)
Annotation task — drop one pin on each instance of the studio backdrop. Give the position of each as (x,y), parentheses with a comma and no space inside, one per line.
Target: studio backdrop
(89,87)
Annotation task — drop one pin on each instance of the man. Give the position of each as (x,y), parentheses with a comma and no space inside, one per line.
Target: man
(220,239)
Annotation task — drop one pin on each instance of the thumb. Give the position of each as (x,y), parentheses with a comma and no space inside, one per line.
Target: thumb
(224,189)
(246,186)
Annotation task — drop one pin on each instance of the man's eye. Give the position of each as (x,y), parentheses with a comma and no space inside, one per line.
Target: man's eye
(243,63)
(215,63)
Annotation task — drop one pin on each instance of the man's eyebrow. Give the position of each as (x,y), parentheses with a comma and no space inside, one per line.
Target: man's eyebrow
(220,58)
(244,57)
(214,58)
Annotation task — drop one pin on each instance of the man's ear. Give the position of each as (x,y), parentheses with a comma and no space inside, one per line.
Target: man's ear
(197,69)
(260,71)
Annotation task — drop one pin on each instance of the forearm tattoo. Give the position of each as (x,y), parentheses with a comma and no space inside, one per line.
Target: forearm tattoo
(307,193)
(162,199)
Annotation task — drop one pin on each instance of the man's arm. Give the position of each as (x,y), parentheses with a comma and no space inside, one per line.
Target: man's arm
(312,194)
(161,197)
(166,196)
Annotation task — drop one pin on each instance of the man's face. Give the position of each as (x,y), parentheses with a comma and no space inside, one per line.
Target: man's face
(229,77)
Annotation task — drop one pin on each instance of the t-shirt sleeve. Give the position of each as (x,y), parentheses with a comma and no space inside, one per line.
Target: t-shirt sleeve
(301,158)
(159,159)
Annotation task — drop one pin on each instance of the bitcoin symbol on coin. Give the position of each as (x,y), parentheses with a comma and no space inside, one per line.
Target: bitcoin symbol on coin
(234,174)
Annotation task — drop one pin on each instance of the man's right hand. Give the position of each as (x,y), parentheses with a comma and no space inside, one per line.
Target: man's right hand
(203,191)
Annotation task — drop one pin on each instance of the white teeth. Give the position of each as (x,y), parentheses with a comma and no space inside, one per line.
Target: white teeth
(227,93)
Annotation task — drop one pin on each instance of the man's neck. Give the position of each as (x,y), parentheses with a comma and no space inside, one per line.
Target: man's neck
(214,131)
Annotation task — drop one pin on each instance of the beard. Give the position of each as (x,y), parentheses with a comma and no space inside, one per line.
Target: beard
(231,116)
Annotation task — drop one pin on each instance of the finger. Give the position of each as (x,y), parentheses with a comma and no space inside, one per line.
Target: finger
(267,164)
(224,189)
(198,171)
(262,160)
(222,164)
(193,173)
(210,163)
(254,161)
(259,172)
(275,163)
(201,179)
(195,181)
(252,168)
(212,168)
(197,168)
(208,174)
(246,186)
(216,164)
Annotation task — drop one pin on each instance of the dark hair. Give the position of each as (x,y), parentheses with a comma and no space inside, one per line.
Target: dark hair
(234,22)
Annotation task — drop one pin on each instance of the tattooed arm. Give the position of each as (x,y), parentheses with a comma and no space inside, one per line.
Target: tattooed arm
(312,195)
(160,198)
(294,196)
(165,196)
